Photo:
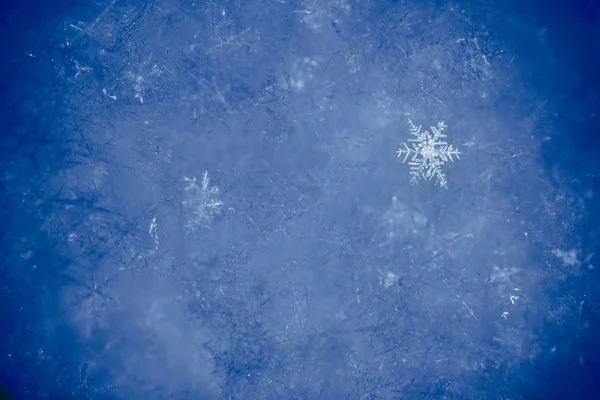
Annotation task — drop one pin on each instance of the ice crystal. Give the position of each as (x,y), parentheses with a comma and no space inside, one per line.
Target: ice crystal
(202,202)
(428,153)
(87,297)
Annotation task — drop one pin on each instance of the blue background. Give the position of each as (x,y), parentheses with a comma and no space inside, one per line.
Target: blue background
(202,200)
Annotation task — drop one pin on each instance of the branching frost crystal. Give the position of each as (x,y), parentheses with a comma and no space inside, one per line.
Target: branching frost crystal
(427,153)
(202,202)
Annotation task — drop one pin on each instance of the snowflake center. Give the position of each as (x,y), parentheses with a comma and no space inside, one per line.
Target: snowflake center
(428,151)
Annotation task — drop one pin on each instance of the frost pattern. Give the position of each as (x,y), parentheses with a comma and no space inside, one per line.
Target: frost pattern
(428,153)
(202,202)
(87,299)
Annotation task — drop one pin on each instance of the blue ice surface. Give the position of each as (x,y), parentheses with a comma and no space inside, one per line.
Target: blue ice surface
(201,200)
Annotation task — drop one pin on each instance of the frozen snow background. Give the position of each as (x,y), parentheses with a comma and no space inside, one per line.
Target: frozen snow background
(203,200)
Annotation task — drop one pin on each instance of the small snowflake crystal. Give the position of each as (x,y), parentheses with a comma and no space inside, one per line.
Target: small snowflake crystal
(202,202)
(428,153)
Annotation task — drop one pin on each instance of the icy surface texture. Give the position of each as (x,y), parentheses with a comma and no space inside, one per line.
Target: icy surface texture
(202,200)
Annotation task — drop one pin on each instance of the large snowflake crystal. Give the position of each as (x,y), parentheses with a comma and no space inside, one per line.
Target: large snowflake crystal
(428,153)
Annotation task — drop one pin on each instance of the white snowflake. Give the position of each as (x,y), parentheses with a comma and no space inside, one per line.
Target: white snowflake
(428,153)
(202,202)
